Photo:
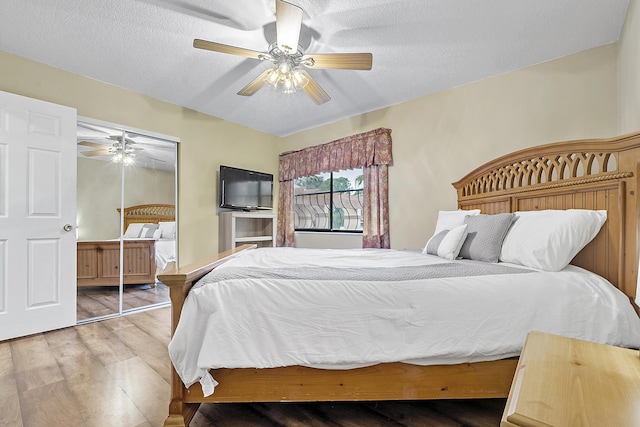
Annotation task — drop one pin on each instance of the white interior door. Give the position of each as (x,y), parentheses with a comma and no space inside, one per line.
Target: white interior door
(37,216)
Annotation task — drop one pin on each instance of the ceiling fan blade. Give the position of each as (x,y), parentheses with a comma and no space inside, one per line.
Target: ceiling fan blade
(288,23)
(343,61)
(256,84)
(96,153)
(93,144)
(223,48)
(313,89)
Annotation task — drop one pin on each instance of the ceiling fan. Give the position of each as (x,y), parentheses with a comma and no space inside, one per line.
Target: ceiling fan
(122,149)
(288,59)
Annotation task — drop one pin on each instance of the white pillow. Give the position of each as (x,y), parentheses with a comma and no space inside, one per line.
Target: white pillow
(133,230)
(168,229)
(447,243)
(550,239)
(448,220)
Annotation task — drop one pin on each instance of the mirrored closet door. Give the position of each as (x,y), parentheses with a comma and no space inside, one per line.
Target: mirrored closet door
(126,223)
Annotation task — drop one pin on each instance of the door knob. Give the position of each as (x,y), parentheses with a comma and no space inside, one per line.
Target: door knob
(67,227)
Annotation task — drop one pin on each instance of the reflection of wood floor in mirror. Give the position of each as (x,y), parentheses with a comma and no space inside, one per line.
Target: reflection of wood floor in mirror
(94,301)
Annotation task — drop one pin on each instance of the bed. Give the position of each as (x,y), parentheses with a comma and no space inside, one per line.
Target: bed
(98,260)
(588,175)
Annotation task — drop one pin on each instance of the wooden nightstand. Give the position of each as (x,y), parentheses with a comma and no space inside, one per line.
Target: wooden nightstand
(567,382)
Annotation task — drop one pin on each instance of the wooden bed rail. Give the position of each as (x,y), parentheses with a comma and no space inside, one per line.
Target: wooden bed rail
(180,281)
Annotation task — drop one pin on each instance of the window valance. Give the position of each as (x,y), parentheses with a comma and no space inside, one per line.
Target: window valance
(370,151)
(356,151)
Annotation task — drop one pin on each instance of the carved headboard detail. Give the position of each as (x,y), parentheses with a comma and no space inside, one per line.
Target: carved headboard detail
(585,174)
(148,214)
(548,172)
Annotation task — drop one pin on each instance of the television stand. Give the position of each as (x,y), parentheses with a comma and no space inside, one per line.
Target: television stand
(236,228)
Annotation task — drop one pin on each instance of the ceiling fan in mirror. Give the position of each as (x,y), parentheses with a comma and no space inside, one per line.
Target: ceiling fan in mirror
(289,73)
(122,149)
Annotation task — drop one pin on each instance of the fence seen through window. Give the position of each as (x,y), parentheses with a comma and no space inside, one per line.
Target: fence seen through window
(329,201)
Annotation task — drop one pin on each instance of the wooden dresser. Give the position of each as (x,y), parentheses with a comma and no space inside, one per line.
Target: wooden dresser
(567,382)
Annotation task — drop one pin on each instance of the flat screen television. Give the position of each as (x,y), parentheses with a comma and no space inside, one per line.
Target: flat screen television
(245,189)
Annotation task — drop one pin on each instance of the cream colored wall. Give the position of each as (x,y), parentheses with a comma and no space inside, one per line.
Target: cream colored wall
(99,195)
(629,72)
(144,185)
(205,141)
(439,138)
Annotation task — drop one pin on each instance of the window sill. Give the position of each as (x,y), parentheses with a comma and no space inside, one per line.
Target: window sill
(329,233)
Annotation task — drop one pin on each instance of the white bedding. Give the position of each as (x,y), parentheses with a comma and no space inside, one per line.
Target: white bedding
(337,324)
(165,252)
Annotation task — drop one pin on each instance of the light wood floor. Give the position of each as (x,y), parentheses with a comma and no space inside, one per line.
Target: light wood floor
(95,301)
(116,373)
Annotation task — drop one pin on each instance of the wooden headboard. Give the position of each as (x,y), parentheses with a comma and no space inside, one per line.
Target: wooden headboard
(585,174)
(148,214)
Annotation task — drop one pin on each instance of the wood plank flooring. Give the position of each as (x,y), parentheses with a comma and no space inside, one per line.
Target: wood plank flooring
(95,301)
(116,373)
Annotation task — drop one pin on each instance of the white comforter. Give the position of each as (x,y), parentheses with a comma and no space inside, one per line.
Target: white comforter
(337,324)
(165,252)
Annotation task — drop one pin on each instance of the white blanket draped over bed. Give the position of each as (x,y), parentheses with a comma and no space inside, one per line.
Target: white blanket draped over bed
(165,252)
(342,323)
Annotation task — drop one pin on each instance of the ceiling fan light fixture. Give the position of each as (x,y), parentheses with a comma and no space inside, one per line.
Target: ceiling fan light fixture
(287,85)
(117,157)
(126,159)
(289,61)
(287,78)
(299,79)
(284,68)
(122,153)
(129,159)
(273,77)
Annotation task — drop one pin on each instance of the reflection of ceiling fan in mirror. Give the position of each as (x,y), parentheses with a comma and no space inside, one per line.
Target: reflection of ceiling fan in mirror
(122,150)
(288,73)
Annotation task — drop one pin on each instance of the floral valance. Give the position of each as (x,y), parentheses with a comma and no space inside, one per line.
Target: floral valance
(355,151)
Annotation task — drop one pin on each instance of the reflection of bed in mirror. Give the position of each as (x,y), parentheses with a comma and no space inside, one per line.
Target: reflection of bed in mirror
(149,246)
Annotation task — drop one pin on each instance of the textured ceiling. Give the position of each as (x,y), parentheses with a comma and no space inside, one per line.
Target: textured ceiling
(419,47)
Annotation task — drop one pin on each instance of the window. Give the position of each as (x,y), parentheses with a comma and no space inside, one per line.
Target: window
(329,201)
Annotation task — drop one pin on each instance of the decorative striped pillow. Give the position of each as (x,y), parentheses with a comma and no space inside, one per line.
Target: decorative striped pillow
(447,243)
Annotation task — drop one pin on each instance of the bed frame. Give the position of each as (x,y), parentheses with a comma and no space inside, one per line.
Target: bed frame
(586,174)
(98,261)
(148,214)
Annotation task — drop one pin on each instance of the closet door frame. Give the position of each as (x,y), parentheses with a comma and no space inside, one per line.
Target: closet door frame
(125,130)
